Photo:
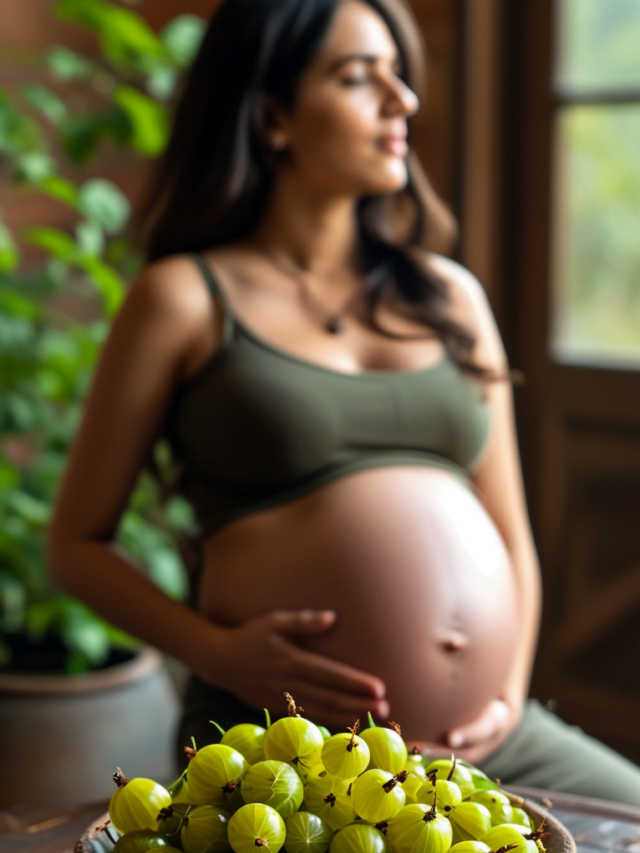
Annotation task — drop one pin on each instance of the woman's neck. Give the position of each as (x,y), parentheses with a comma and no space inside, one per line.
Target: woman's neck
(317,234)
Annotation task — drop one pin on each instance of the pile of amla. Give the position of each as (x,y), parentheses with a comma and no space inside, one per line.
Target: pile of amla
(292,785)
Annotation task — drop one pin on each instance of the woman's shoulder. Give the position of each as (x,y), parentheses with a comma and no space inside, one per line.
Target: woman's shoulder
(169,302)
(173,284)
(461,283)
(468,304)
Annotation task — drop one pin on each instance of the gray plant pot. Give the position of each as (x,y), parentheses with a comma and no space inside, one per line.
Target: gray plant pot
(61,737)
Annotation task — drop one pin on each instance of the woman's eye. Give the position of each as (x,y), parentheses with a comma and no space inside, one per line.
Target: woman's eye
(353,81)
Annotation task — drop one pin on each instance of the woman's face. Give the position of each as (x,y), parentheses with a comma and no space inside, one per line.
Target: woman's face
(346,134)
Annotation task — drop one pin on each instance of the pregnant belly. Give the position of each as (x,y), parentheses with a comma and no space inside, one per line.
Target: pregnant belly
(413,566)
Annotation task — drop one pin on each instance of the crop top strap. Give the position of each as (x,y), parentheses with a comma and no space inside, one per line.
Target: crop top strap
(216,290)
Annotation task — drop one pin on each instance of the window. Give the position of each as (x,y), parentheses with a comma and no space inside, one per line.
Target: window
(595,316)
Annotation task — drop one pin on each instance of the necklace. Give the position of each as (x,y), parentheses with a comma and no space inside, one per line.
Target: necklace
(335,322)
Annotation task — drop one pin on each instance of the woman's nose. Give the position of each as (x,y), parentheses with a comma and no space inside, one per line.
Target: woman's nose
(402,98)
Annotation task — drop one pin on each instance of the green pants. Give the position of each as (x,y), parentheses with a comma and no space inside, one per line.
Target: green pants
(542,752)
(545,752)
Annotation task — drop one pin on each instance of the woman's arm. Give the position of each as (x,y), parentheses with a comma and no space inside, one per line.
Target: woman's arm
(151,343)
(138,368)
(498,481)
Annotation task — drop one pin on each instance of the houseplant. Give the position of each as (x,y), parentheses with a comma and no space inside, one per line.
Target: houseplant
(59,289)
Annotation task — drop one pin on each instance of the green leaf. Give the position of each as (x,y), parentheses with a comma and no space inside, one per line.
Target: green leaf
(167,572)
(57,274)
(12,603)
(80,135)
(9,477)
(182,37)
(61,189)
(59,244)
(34,167)
(18,133)
(90,238)
(40,616)
(17,414)
(88,13)
(115,123)
(180,515)
(65,64)
(102,201)
(162,81)
(150,120)
(45,101)
(87,636)
(31,509)
(9,255)
(120,638)
(126,37)
(17,305)
(76,663)
(125,34)
(106,280)
(17,334)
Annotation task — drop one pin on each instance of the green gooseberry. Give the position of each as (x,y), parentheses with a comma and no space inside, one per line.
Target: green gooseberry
(256,825)
(180,794)
(444,768)
(412,787)
(497,803)
(274,783)
(388,750)
(136,803)
(248,740)
(205,831)
(345,755)
(448,794)
(330,799)
(139,841)
(520,816)
(170,820)
(377,796)
(359,838)
(293,739)
(470,820)
(420,829)
(306,833)
(415,764)
(213,774)
(510,834)
(470,846)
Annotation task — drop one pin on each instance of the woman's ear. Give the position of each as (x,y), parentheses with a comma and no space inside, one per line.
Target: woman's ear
(272,120)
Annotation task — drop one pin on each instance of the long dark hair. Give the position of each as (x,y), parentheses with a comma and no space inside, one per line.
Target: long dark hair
(213,183)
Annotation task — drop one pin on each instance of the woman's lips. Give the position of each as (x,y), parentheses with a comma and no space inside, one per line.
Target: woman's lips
(394,145)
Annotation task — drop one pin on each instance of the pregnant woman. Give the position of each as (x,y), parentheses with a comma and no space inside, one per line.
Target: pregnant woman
(338,400)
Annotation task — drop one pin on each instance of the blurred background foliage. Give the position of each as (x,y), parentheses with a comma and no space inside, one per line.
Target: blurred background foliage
(117,97)
(597,301)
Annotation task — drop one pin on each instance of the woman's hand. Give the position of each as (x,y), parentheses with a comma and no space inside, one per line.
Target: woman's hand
(260,660)
(474,740)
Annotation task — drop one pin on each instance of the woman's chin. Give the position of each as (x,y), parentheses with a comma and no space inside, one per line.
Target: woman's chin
(388,181)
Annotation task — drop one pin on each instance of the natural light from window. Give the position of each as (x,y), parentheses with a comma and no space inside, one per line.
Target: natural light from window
(596,220)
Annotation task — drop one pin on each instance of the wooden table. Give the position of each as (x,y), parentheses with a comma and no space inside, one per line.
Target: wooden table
(596,825)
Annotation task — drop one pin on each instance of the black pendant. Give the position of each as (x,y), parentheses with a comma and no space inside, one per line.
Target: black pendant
(335,325)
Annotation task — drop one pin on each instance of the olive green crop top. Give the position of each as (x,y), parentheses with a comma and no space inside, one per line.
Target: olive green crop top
(256,427)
